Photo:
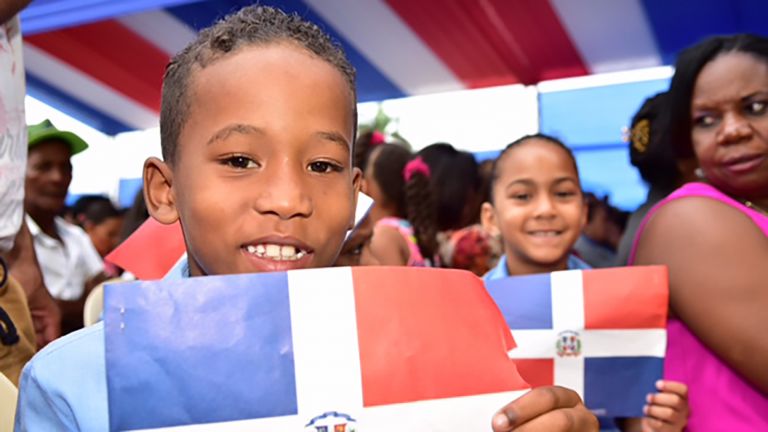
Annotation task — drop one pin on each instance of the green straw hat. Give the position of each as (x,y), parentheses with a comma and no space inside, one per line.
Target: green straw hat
(46,131)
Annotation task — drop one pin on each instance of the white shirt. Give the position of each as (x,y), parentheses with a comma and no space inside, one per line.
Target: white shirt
(13,133)
(67,264)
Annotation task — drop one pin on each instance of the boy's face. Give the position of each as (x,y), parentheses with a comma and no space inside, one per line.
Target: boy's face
(263,179)
(538,207)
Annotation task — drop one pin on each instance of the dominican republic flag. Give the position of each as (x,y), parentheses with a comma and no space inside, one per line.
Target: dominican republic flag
(601,332)
(338,349)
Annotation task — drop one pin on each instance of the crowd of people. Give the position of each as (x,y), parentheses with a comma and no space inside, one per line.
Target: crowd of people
(702,148)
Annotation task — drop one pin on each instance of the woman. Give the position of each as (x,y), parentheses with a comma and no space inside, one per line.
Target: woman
(713,235)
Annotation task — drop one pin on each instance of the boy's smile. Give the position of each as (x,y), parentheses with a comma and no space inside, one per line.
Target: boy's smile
(263,179)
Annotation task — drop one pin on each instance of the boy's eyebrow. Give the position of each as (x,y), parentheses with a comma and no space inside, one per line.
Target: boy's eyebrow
(240,128)
(335,137)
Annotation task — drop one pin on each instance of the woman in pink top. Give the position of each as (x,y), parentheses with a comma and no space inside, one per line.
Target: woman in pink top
(713,235)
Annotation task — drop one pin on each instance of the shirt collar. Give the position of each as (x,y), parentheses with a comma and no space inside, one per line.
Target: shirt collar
(501,271)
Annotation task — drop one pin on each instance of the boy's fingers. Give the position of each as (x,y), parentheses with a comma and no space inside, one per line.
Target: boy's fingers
(653,425)
(673,387)
(660,412)
(577,419)
(671,400)
(533,404)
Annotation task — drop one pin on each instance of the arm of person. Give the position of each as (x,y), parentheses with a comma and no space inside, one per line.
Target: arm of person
(389,247)
(9,8)
(717,275)
(555,409)
(23,265)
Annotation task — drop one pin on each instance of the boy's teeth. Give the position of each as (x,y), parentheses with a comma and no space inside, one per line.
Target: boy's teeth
(276,252)
(273,251)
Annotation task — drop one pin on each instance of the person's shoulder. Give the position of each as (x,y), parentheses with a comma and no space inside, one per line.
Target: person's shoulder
(68,229)
(82,350)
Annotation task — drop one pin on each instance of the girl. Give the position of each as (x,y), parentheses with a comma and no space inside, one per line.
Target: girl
(538,208)
(713,235)
(395,240)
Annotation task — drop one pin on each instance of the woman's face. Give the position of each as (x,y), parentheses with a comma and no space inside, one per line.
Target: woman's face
(729,124)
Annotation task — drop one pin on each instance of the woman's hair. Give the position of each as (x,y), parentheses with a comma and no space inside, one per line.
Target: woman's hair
(689,64)
(649,147)
(94,209)
(388,164)
(495,174)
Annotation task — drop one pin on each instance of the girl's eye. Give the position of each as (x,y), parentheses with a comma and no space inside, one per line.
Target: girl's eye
(521,196)
(756,107)
(565,194)
(324,167)
(239,162)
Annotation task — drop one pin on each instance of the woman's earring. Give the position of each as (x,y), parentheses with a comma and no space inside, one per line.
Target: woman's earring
(699,173)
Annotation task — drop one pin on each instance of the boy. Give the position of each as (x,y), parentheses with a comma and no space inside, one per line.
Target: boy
(257,120)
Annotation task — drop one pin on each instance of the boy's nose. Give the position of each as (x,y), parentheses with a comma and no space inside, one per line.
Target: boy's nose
(283,194)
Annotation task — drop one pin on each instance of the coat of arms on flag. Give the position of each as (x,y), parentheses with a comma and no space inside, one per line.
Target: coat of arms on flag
(340,349)
(600,332)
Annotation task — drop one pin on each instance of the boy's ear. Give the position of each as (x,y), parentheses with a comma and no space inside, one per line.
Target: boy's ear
(158,191)
(488,219)
(357,182)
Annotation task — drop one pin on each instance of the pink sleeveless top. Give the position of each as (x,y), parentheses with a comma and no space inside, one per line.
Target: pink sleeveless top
(719,398)
(415,259)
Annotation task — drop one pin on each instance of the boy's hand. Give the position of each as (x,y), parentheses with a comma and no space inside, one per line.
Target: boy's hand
(545,409)
(667,411)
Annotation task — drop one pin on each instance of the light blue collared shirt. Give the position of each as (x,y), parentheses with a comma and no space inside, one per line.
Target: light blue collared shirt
(64,386)
(501,270)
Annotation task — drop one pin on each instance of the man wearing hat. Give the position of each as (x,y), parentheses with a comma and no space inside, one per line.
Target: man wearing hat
(68,260)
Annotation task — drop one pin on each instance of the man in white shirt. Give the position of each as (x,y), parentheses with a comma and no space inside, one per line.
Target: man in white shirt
(69,262)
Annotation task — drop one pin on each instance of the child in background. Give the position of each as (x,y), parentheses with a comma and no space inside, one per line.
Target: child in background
(257,123)
(101,221)
(538,208)
(394,241)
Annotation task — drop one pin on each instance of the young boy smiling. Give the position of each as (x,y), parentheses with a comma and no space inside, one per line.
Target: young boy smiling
(257,122)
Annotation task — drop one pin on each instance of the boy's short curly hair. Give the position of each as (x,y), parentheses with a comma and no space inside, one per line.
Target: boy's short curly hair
(252,25)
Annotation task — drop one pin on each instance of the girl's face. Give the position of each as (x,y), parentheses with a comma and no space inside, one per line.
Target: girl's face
(729,124)
(538,207)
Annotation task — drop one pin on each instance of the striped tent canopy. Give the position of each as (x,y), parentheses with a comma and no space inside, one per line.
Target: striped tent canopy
(101,61)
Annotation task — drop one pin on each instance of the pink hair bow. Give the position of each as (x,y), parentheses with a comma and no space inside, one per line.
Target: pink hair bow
(378,138)
(415,166)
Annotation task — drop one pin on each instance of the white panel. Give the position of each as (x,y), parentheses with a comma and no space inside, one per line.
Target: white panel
(162,29)
(389,44)
(567,300)
(325,344)
(82,87)
(610,35)
(624,343)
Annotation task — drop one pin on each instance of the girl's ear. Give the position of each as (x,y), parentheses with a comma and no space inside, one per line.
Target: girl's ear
(488,219)
(584,214)
(158,191)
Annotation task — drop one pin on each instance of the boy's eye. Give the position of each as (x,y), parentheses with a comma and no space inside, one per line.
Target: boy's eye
(324,167)
(756,107)
(239,162)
